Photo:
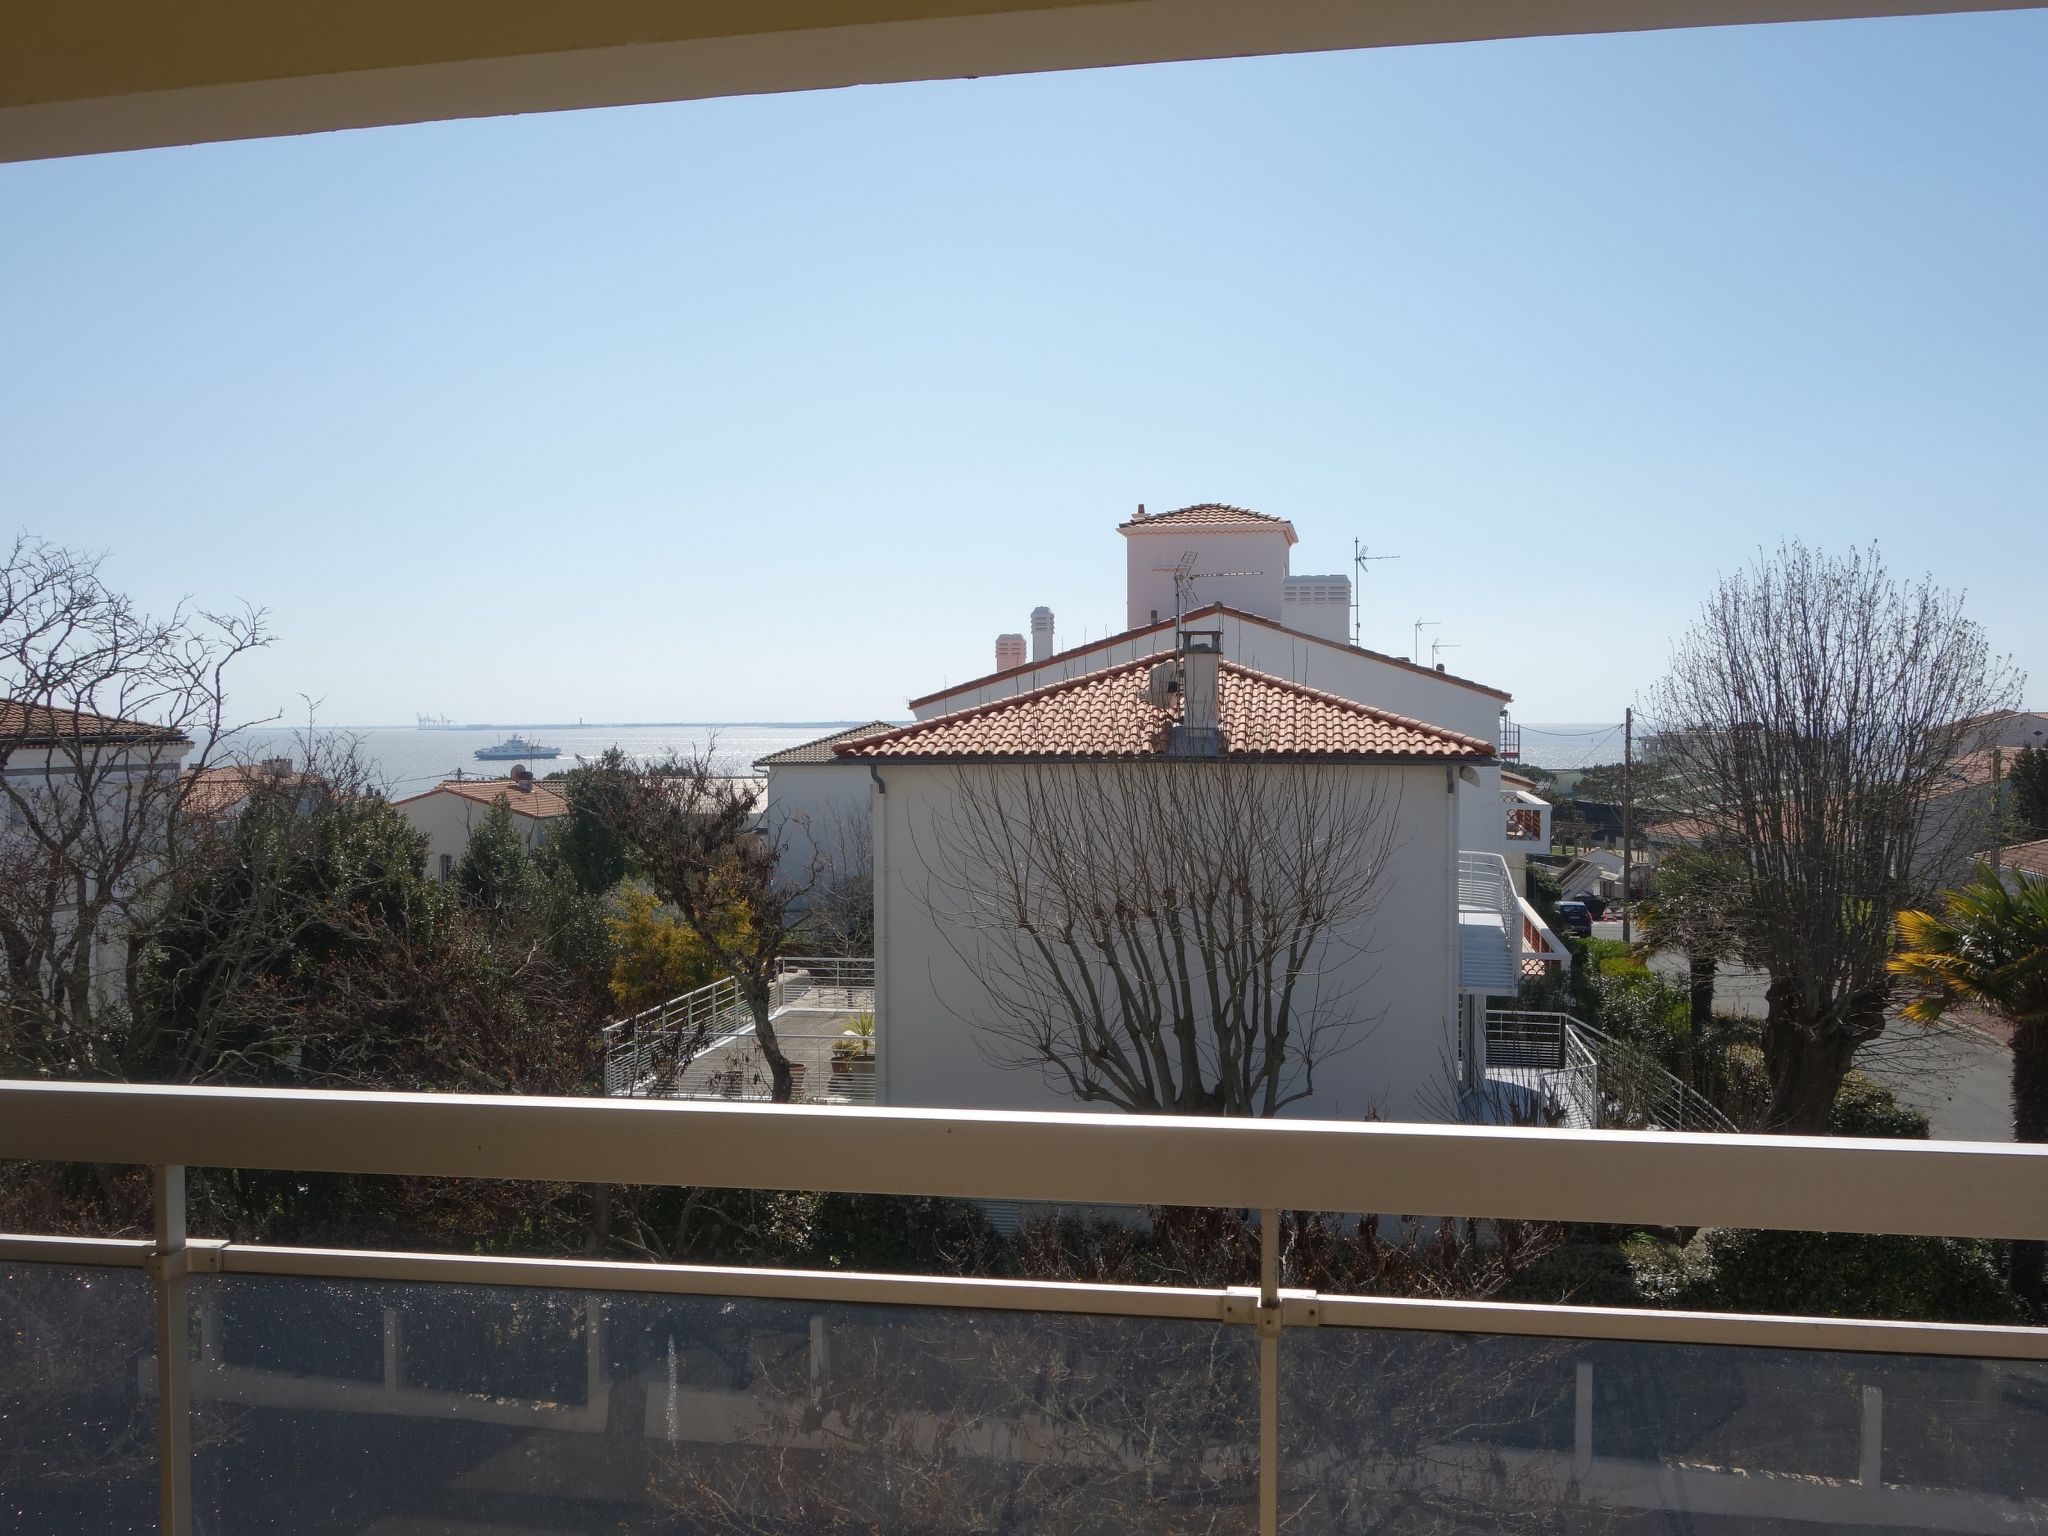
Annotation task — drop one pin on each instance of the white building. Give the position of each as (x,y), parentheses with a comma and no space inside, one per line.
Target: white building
(1452,931)
(817,802)
(452,810)
(1398,970)
(88,802)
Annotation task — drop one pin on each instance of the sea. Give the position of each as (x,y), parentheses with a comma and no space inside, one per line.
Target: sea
(409,760)
(1563,747)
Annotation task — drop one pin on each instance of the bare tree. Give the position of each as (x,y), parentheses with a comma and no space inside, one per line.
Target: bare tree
(694,835)
(101,704)
(1184,936)
(1807,722)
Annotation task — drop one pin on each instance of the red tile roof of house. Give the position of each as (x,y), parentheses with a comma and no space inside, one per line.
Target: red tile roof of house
(1207,514)
(38,725)
(1106,714)
(2031,857)
(217,790)
(1213,610)
(539,802)
(820,751)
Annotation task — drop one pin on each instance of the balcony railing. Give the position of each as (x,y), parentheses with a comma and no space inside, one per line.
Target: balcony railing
(1489,926)
(664,1049)
(216,1386)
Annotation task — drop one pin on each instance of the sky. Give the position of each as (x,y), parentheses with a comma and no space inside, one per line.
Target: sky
(781,408)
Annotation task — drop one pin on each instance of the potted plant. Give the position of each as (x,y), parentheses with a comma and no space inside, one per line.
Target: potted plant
(853,1056)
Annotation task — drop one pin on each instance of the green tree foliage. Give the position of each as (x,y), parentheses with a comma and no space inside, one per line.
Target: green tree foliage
(2029,782)
(496,872)
(1829,1274)
(583,842)
(655,955)
(1988,945)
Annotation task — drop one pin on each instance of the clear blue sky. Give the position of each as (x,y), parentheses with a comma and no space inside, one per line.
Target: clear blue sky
(783,407)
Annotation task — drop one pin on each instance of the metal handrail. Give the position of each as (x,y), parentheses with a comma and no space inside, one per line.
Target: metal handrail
(1928,1188)
(1632,1085)
(645,1053)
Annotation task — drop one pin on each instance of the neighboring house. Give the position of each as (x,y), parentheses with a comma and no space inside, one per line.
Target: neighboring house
(1400,969)
(88,801)
(1971,811)
(2026,858)
(1452,930)
(2008,728)
(817,803)
(1527,823)
(220,793)
(453,809)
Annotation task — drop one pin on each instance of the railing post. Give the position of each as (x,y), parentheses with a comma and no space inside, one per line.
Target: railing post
(1870,1463)
(1582,1424)
(1269,1373)
(173,1350)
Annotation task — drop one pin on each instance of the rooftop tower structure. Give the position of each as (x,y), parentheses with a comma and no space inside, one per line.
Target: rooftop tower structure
(1239,557)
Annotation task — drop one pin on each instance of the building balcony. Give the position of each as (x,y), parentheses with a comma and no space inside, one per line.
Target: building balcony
(192,1384)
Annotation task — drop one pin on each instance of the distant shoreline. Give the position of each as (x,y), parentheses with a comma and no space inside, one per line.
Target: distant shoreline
(601,725)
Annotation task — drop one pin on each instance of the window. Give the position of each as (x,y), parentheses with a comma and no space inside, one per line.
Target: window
(447,865)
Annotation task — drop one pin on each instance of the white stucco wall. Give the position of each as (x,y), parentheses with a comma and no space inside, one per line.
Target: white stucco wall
(1260,554)
(928,998)
(448,819)
(820,811)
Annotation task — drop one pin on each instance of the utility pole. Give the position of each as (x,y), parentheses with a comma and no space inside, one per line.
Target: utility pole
(1628,816)
(1997,807)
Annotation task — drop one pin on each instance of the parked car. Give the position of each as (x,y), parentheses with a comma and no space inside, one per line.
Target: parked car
(1573,917)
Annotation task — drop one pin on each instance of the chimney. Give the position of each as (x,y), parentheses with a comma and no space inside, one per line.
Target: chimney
(1041,633)
(277,767)
(1200,732)
(1009,652)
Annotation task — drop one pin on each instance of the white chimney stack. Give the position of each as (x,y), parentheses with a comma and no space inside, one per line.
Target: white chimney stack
(1009,652)
(1041,633)
(1200,732)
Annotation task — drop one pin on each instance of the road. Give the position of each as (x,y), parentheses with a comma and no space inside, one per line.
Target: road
(1960,1079)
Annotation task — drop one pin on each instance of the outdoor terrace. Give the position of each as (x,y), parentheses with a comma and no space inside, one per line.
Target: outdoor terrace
(201,1385)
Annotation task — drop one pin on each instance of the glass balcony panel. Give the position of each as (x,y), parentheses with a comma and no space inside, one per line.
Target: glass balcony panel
(1422,1431)
(77,1429)
(531,1411)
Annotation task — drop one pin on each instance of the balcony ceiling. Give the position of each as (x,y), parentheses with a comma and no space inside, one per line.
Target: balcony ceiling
(88,76)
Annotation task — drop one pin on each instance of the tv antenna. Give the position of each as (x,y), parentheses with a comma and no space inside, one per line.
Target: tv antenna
(1360,559)
(1436,651)
(1415,649)
(1184,578)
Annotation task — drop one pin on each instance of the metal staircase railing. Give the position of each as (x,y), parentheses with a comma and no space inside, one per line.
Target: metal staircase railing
(1634,1092)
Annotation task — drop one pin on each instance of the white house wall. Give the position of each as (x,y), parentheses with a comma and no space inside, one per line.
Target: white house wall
(1240,568)
(928,999)
(820,811)
(449,819)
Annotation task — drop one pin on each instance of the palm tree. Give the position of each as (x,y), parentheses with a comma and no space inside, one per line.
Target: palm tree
(1989,946)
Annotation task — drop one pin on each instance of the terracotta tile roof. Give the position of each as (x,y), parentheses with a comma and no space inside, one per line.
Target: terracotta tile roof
(1973,769)
(36,725)
(1106,714)
(820,751)
(538,802)
(2031,857)
(1206,514)
(216,791)
(1213,610)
